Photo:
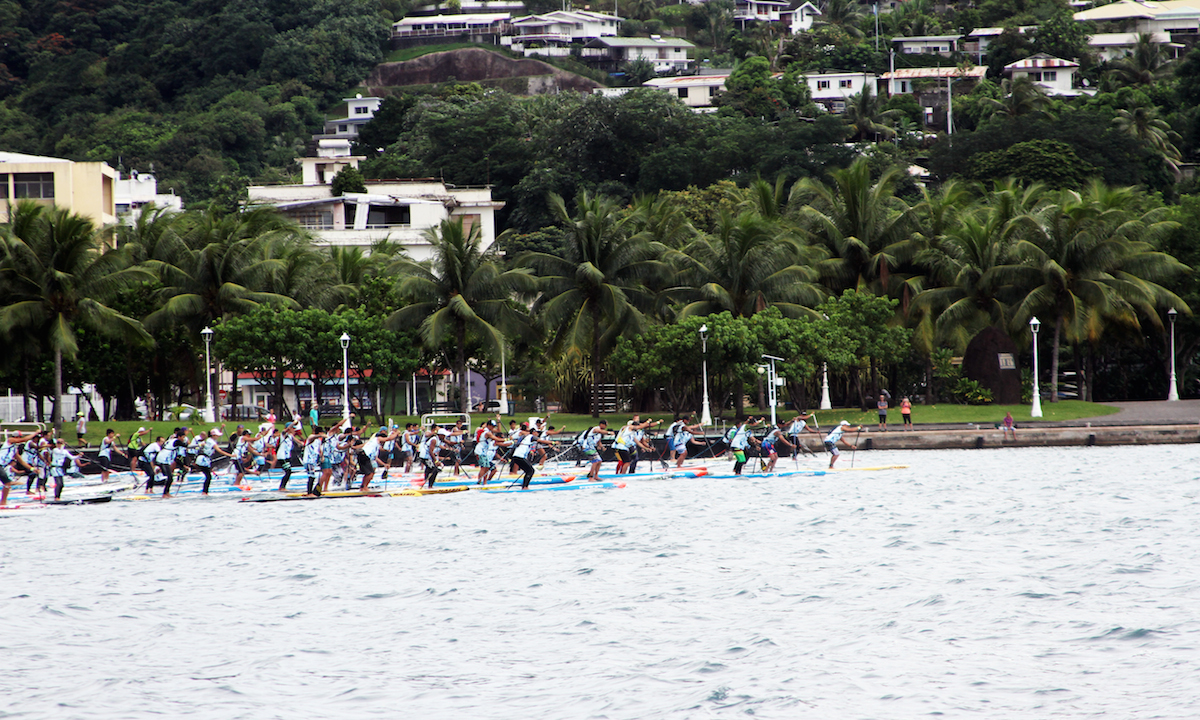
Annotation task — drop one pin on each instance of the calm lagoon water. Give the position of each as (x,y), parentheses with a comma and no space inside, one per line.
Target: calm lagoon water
(986,584)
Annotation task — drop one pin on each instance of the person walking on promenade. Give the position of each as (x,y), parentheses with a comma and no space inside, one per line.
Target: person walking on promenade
(906,413)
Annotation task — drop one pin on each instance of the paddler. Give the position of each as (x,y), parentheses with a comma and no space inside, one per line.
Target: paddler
(774,435)
(526,441)
(593,448)
(831,441)
(9,457)
(739,441)
(679,438)
(485,451)
(798,425)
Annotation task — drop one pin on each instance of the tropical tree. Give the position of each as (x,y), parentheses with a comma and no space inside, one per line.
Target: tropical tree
(463,290)
(1144,124)
(1146,64)
(595,289)
(1087,259)
(1018,97)
(866,117)
(58,278)
(862,224)
(747,265)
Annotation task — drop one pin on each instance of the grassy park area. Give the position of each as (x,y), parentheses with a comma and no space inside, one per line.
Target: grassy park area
(983,414)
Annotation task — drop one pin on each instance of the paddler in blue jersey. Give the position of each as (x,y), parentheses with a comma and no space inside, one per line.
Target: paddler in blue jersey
(831,441)
(593,449)
(774,437)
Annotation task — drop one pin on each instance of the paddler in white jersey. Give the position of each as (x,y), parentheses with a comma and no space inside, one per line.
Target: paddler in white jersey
(9,458)
(490,440)
(831,441)
(593,449)
(679,435)
(797,426)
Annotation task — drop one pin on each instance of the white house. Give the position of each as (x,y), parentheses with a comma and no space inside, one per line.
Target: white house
(1174,17)
(830,90)
(976,42)
(482,27)
(141,189)
(800,19)
(696,91)
(1113,46)
(553,33)
(666,54)
(927,44)
(471,7)
(395,210)
(359,111)
(1054,75)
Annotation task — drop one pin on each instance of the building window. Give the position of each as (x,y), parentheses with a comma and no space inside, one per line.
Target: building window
(343,128)
(1049,76)
(843,83)
(360,111)
(3,187)
(388,215)
(712,91)
(313,219)
(33,185)
(822,84)
(682,93)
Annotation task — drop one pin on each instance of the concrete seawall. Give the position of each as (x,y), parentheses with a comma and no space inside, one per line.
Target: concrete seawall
(989,437)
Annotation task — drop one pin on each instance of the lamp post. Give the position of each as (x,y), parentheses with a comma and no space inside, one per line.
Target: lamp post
(503,384)
(1036,410)
(1172,392)
(345,376)
(705,412)
(209,413)
(773,383)
(825,403)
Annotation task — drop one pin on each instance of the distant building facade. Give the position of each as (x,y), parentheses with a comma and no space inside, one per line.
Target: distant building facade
(84,188)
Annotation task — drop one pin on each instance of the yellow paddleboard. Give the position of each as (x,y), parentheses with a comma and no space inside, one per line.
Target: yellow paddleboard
(413,492)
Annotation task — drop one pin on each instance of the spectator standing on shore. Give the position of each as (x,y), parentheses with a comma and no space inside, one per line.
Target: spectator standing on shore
(906,413)
(81,430)
(882,405)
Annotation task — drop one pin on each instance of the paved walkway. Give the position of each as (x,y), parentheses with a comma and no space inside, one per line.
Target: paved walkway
(1149,412)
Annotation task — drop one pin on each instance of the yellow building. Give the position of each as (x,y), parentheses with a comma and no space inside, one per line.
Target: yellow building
(85,188)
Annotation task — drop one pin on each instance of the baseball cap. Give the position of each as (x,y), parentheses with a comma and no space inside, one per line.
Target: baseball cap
(844,423)
(141,429)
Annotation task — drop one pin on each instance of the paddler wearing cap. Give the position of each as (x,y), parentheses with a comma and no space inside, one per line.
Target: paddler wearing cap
(831,441)
(486,445)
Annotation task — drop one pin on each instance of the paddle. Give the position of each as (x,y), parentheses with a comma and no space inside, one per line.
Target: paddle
(855,448)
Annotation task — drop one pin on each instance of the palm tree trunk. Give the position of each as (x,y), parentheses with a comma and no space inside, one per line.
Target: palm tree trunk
(930,390)
(57,417)
(28,388)
(1054,360)
(595,361)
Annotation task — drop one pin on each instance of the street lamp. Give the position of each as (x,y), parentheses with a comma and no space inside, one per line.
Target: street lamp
(825,403)
(1036,410)
(209,413)
(1173,392)
(705,413)
(503,384)
(773,383)
(345,377)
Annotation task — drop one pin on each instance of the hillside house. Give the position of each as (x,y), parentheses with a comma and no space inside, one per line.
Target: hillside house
(84,188)
(359,111)
(666,54)
(1054,75)
(1180,19)
(932,86)
(396,210)
(1114,46)
(831,90)
(927,44)
(480,28)
(695,91)
(138,190)
(553,33)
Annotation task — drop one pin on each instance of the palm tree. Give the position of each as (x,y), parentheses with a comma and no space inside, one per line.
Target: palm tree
(1019,97)
(866,117)
(746,266)
(219,264)
(463,290)
(862,224)
(1087,259)
(843,14)
(1145,65)
(595,290)
(57,277)
(1144,124)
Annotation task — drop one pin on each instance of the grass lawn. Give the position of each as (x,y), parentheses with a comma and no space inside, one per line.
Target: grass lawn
(986,414)
(403,54)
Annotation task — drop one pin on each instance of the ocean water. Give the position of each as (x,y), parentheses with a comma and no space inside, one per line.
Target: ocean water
(1015,583)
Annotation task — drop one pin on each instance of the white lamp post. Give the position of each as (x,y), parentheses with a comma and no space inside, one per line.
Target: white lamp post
(825,403)
(345,376)
(705,412)
(209,413)
(1036,410)
(503,385)
(773,383)
(1173,391)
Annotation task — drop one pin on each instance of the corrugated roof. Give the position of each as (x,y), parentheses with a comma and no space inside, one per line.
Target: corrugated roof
(12,157)
(455,19)
(922,38)
(687,81)
(923,73)
(642,42)
(1127,9)
(1041,60)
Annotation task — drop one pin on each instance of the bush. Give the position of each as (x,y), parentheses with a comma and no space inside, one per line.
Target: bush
(971,392)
